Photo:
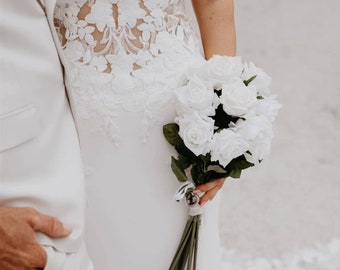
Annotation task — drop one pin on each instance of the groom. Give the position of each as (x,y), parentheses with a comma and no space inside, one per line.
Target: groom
(42,202)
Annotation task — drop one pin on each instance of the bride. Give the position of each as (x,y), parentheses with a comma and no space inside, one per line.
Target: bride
(124,59)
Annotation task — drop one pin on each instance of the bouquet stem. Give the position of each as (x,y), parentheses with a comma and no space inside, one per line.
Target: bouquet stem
(186,254)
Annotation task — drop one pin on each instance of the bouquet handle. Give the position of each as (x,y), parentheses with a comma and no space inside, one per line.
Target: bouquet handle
(186,254)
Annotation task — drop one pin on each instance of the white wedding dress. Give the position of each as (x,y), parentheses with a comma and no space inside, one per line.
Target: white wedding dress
(124,60)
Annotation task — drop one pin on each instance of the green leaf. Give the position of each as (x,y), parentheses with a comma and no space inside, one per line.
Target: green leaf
(239,163)
(170,132)
(235,174)
(212,176)
(185,161)
(236,166)
(197,174)
(178,170)
(205,159)
(247,82)
(185,151)
(216,168)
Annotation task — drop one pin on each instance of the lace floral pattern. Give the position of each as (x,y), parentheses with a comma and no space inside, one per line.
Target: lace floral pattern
(125,54)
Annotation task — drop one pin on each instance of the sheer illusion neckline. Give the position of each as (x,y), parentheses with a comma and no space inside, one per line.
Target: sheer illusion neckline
(100,28)
(125,56)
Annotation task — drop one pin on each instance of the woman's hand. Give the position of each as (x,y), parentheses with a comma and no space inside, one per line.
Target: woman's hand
(210,190)
(216,22)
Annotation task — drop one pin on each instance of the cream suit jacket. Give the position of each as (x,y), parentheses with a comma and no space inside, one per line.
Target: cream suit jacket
(40,164)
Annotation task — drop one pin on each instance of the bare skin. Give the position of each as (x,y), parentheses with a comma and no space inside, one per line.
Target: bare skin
(19,249)
(216,22)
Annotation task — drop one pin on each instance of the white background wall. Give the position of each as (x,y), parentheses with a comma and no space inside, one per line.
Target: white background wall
(285,214)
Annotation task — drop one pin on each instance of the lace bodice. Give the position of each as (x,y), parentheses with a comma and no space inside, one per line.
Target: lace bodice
(125,54)
(98,30)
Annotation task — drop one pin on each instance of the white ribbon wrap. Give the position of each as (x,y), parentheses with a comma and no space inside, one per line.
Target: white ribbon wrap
(182,190)
(195,209)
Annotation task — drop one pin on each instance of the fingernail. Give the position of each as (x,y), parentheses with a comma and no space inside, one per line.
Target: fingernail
(196,191)
(203,203)
(67,229)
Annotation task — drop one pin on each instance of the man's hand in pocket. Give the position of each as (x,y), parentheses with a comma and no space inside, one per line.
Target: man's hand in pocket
(19,249)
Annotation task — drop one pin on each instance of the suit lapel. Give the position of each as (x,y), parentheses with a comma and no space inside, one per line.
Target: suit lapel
(49,10)
(49,5)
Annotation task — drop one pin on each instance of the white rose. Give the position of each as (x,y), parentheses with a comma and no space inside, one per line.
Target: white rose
(222,68)
(262,80)
(227,145)
(258,132)
(237,99)
(200,68)
(198,96)
(268,107)
(196,132)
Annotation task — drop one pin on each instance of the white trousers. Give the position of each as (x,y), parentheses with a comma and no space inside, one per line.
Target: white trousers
(57,260)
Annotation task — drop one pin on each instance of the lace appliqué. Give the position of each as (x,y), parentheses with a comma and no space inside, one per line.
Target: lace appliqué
(126,55)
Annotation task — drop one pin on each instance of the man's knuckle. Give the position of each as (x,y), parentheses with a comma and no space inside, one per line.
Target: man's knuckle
(34,218)
(38,257)
(35,221)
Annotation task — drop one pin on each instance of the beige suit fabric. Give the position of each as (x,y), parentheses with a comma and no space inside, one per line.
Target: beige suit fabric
(40,164)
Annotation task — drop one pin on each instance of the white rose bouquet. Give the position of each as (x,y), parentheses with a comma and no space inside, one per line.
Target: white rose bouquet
(224,125)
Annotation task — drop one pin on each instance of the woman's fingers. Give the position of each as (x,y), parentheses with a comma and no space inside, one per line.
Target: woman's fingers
(208,186)
(210,189)
(209,195)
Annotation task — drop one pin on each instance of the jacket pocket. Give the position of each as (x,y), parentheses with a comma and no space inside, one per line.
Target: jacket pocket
(18,126)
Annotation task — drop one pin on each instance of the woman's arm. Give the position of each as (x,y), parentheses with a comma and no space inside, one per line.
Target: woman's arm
(216,22)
